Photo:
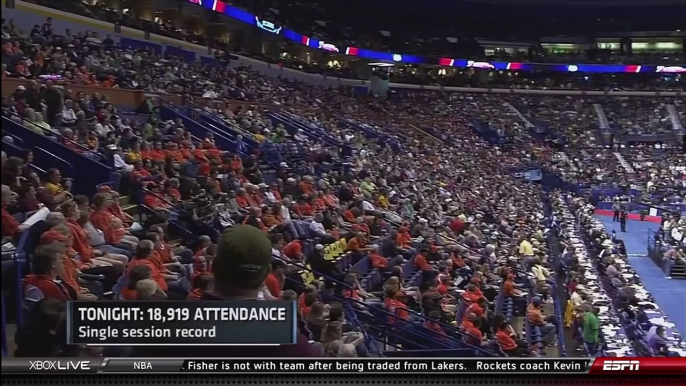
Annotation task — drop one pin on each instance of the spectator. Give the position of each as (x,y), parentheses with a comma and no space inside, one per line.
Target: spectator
(241,266)
(546,323)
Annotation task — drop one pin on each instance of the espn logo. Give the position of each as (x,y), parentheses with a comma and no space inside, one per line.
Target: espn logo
(620,365)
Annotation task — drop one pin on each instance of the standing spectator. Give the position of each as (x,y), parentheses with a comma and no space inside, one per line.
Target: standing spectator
(591,326)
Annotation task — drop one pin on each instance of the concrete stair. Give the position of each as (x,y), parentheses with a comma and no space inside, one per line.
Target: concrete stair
(678,272)
(677,125)
(602,118)
(127,206)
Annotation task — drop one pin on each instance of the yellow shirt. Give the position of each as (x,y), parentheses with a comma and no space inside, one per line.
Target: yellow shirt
(525,248)
(383,202)
(134,156)
(54,189)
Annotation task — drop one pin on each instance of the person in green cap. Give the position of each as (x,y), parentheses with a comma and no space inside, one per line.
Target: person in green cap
(590,328)
(242,263)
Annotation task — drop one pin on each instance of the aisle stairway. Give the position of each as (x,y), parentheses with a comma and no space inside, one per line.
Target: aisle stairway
(602,118)
(625,164)
(521,116)
(677,125)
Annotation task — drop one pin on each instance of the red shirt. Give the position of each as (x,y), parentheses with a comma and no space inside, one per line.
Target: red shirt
(505,341)
(303,209)
(243,201)
(196,294)
(273,285)
(421,263)
(378,261)
(351,294)
(397,308)
(435,327)
(48,287)
(474,335)
(442,289)
(154,202)
(293,250)
(508,288)
(138,174)
(473,309)
(470,297)
(10,225)
(129,294)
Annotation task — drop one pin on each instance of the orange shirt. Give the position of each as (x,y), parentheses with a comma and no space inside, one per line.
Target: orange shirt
(508,288)
(270,220)
(156,155)
(156,275)
(355,245)
(68,274)
(102,219)
(255,200)
(80,241)
(176,155)
(156,259)
(306,187)
(534,315)
(165,253)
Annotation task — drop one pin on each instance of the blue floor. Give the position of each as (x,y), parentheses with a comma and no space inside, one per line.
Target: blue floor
(670,295)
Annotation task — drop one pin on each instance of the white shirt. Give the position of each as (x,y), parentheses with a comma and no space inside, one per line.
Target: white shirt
(366,205)
(285,213)
(317,228)
(101,129)
(576,300)
(68,115)
(120,164)
(95,236)
(209,94)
